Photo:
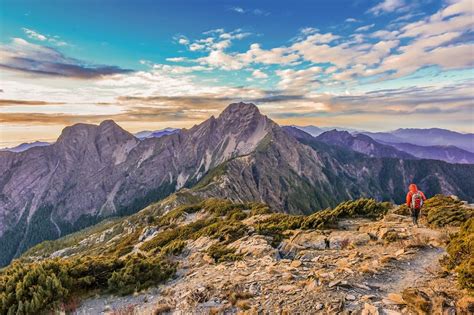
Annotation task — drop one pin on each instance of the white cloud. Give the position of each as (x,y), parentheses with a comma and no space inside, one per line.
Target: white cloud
(351,20)
(216,39)
(387,6)
(298,81)
(196,46)
(364,28)
(176,59)
(257,12)
(259,74)
(34,35)
(238,10)
(55,40)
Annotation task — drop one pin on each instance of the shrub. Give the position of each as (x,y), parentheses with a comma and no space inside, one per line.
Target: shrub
(461,255)
(139,273)
(220,253)
(174,248)
(40,287)
(442,211)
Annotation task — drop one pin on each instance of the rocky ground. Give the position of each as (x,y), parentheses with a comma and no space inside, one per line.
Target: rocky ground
(361,267)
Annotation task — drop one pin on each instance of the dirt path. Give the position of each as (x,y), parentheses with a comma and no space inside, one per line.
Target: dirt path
(411,272)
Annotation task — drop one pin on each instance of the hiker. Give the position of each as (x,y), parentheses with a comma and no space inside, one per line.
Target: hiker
(415,200)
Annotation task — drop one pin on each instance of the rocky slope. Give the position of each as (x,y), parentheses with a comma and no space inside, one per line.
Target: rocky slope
(93,172)
(231,258)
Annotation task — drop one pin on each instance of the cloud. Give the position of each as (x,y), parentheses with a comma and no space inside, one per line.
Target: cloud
(257,12)
(238,10)
(364,28)
(297,81)
(216,39)
(259,74)
(4,103)
(40,37)
(387,6)
(351,20)
(176,59)
(34,35)
(33,59)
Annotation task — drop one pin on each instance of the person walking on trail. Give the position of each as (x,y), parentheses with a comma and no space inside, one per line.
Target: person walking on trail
(415,200)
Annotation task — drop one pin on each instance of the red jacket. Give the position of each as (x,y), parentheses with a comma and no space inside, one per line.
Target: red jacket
(413,189)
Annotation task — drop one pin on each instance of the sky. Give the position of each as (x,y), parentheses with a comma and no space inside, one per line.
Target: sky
(366,64)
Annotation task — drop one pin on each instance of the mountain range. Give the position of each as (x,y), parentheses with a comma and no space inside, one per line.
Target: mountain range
(436,144)
(97,171)
(25,146)
(427,137)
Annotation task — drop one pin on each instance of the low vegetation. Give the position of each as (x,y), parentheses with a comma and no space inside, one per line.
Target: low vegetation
(461,255)
(276,224)
(446,211)
(39,287)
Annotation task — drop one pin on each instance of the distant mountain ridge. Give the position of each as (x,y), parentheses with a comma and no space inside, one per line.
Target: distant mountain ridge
(416,143)
(94,172)
(427,137)
(25,146)
(156,134)
(362,143)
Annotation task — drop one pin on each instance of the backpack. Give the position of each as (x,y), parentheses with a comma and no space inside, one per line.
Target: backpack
(416,200)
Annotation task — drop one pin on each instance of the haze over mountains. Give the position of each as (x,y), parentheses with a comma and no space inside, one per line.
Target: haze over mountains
(437,144)
(94,172)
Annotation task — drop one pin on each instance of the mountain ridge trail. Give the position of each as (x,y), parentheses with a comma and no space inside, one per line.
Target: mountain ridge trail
(301,275)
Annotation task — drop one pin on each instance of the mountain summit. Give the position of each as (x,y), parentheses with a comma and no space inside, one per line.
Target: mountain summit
(94,172)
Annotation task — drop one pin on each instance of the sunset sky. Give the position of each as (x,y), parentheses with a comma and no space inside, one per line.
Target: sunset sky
(364,64)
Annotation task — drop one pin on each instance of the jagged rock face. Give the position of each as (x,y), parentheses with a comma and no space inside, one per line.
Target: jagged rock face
(92,172)
(362,144)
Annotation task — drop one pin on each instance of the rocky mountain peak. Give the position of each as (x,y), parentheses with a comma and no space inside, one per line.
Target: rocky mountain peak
(240,111)
(107,129)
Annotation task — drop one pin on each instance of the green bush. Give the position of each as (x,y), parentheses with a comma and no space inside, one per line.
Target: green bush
(174,248)
(461,255)
(275,224)
(39,287)
(220,253)
(442,211)
(139,273)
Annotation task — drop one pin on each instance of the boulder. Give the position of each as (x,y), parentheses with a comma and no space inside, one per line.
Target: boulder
(370,309)
(255,246)
(341,239)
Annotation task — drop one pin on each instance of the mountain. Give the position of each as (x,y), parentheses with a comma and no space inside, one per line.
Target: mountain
(94,172)
(450,154)
(312,130)
(156,134)
(361,143)
(316,131)
(427,137)
(25,146)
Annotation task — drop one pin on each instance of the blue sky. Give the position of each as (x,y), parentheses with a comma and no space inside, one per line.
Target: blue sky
(373,65)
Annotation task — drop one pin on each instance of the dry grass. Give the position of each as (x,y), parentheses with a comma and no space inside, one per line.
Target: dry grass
(125,310)
(162,309)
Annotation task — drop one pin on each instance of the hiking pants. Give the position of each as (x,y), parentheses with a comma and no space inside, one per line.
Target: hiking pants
(415,213)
